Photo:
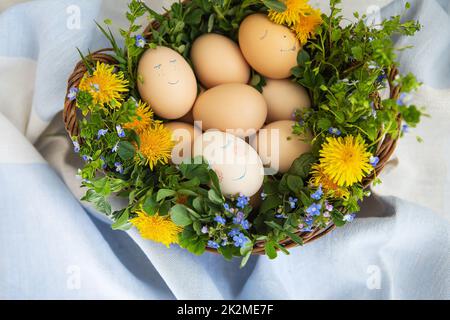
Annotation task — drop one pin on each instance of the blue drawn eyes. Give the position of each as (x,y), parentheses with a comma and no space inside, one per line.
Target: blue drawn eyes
(157,67)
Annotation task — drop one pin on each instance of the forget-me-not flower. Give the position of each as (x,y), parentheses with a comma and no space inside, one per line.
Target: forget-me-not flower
(334,131)
(242,201)
(140,41)
(293,202)
(374,161)
(101,133)
(72,95)
(318,194)
(120,131)
(220,220)
(119,167)
(314,209)
(213,244)
(76,146)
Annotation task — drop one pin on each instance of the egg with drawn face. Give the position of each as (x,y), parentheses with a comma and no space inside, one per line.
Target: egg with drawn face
(166,82)
(236,163)
(270,49)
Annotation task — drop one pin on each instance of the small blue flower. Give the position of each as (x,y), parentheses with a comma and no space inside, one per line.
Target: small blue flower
(245,224)
(293,202)
(314,209)
(140,41)
(242,201)
(309,221)
(204,229)
(401,101)
(120,131)
(334,131)
(280,216)
(119,167)
(101,133)
(213,244)
(318,194)
(116,147)
(405,128)
(224,243)
(220,220)
(238,218)
(240,240)
(263,196)
(349,217)
(306,229)
(233,232)
(86,158)
(76,146)
(381,78)
(227,208)
(72,95)
(374,161)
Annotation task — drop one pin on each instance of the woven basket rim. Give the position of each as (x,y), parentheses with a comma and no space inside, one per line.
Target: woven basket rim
(385,148)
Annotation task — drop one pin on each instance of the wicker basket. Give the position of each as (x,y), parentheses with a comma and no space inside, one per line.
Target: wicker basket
(385,148)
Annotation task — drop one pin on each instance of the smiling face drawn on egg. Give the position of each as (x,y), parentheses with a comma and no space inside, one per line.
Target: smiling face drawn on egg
(168,71)
(166,82)
(287,44)
(235,162)
(270,48)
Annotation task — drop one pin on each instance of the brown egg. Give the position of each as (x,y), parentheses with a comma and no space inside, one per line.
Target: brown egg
(278,147)
(236,107)
(271,49)
(183,134)
(166,82)
(283,97)
(218,60)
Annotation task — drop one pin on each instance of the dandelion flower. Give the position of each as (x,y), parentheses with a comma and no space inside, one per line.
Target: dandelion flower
(294,10)
(345,161)
(105,86)
(319,178)
(156,228)
(142,119)
(156,144)
(306,27)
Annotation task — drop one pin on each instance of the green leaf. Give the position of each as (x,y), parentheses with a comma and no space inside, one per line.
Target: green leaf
(214,197)
(291,235)
(180,215)
(150,206)
(295,183)
(275,5)
(126,150)
(271,202)
(302,166)
(271,252)
(122,222)
(164,193)
(303,57)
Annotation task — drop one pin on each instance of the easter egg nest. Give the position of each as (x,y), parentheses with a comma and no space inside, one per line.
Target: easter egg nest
(124,105)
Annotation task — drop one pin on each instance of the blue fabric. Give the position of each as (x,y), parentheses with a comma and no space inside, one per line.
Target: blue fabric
(53,247)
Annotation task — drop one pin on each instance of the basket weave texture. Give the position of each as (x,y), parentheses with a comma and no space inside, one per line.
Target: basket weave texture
(385,148)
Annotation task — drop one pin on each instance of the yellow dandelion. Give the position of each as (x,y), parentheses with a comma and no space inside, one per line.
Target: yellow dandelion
(156,228)
(142,120)
(345,161)
(105,86)
(306,27)
(156,144)
(294,10)
(319,178)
